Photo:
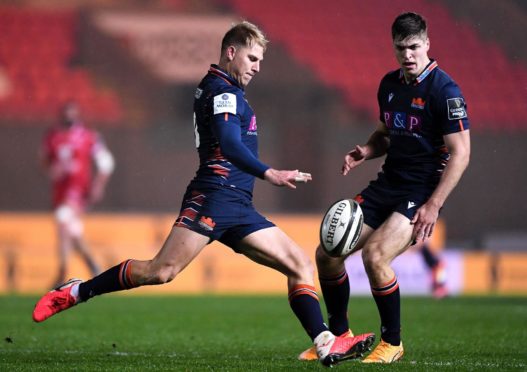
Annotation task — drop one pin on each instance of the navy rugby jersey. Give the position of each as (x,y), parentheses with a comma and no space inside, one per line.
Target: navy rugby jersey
(417,116)
(226,134)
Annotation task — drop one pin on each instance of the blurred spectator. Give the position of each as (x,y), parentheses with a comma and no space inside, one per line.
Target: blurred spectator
(437,269)
(68,152)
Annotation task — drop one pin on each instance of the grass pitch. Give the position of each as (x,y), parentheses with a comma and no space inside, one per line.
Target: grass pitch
(250,333)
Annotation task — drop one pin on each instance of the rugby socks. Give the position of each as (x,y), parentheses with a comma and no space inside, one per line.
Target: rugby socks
(303,299)
(117,278)
(336,292)
(388,302)
(430,258)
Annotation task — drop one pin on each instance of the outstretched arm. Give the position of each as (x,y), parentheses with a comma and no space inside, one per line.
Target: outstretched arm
(376,146)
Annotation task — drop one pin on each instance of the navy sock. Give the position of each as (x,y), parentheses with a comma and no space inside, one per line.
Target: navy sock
(388,302)
(303,299)
(117,278)
(429,257)
(336,291)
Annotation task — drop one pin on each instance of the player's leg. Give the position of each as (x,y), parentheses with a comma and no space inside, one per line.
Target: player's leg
(76,232)
(66,225)
(273,248)
(82,248)
(335,286)
(64,244)
(391,239)
(437,271)
(180,248)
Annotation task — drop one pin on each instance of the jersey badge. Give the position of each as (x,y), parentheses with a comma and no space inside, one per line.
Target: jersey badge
(390,97)
(456,108)
(225,102)
(418,103)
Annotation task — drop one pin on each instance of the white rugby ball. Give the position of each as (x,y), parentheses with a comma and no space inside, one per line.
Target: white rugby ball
(341,227)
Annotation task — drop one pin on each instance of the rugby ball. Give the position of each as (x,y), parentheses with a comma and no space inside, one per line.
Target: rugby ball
(341,227)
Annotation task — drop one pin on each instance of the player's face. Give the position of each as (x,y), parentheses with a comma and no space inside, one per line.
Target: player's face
(245,62)
(412,55)
(71,114)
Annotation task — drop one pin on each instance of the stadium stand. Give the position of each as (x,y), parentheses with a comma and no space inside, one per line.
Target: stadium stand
(340,43)
(36,51)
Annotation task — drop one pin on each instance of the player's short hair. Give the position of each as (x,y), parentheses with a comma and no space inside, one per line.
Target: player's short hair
(407,25)
(244,34)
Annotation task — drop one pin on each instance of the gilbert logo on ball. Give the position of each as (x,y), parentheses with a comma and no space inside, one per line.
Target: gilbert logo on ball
(341,227)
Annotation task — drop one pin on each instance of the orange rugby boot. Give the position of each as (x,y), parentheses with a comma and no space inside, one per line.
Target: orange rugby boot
(385,353)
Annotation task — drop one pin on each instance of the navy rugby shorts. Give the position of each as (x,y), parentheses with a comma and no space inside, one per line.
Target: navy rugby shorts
(222,214)
(380,199)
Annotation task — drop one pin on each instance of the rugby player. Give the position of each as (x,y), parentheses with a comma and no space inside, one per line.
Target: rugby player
(67,154)
(218,205)
(424,132)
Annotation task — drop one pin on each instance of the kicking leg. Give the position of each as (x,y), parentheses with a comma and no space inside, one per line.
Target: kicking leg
(180,248)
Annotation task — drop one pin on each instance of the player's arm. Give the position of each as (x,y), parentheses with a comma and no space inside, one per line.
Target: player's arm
(450,110)
(426,216)
(227,130)
(54,170)
(375,147)
(104,164)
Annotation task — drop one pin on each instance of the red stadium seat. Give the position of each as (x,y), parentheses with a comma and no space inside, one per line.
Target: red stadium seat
(36,48)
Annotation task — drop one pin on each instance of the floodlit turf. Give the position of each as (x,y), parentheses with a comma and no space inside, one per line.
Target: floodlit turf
(251,334)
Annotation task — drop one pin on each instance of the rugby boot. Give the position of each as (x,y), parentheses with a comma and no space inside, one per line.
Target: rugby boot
(311,353)
(385,353)
(55,301)
(333,349)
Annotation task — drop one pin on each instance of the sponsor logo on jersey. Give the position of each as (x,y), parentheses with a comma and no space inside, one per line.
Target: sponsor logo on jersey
(225,102)
(411,204)
(198,93)
(252,124)
(402,121)
(390,97)
(456,108)
(418,103)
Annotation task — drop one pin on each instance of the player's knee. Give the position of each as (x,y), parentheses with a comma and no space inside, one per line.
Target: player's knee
(373,257)
(328,265)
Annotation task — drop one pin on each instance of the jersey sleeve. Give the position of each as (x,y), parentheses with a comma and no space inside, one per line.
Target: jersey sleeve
(451,109)
(226,126)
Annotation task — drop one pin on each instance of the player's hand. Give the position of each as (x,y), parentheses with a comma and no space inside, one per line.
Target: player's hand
(424,222)
(353,159)
(286,178)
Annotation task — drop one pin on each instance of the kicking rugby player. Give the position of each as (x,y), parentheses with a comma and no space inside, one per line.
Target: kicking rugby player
(424,132)
(218,205)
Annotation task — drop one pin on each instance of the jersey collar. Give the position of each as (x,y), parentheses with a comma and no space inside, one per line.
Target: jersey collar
(216,70)
(429,68)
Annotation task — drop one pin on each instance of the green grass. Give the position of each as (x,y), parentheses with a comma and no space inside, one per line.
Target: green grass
(232,333)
